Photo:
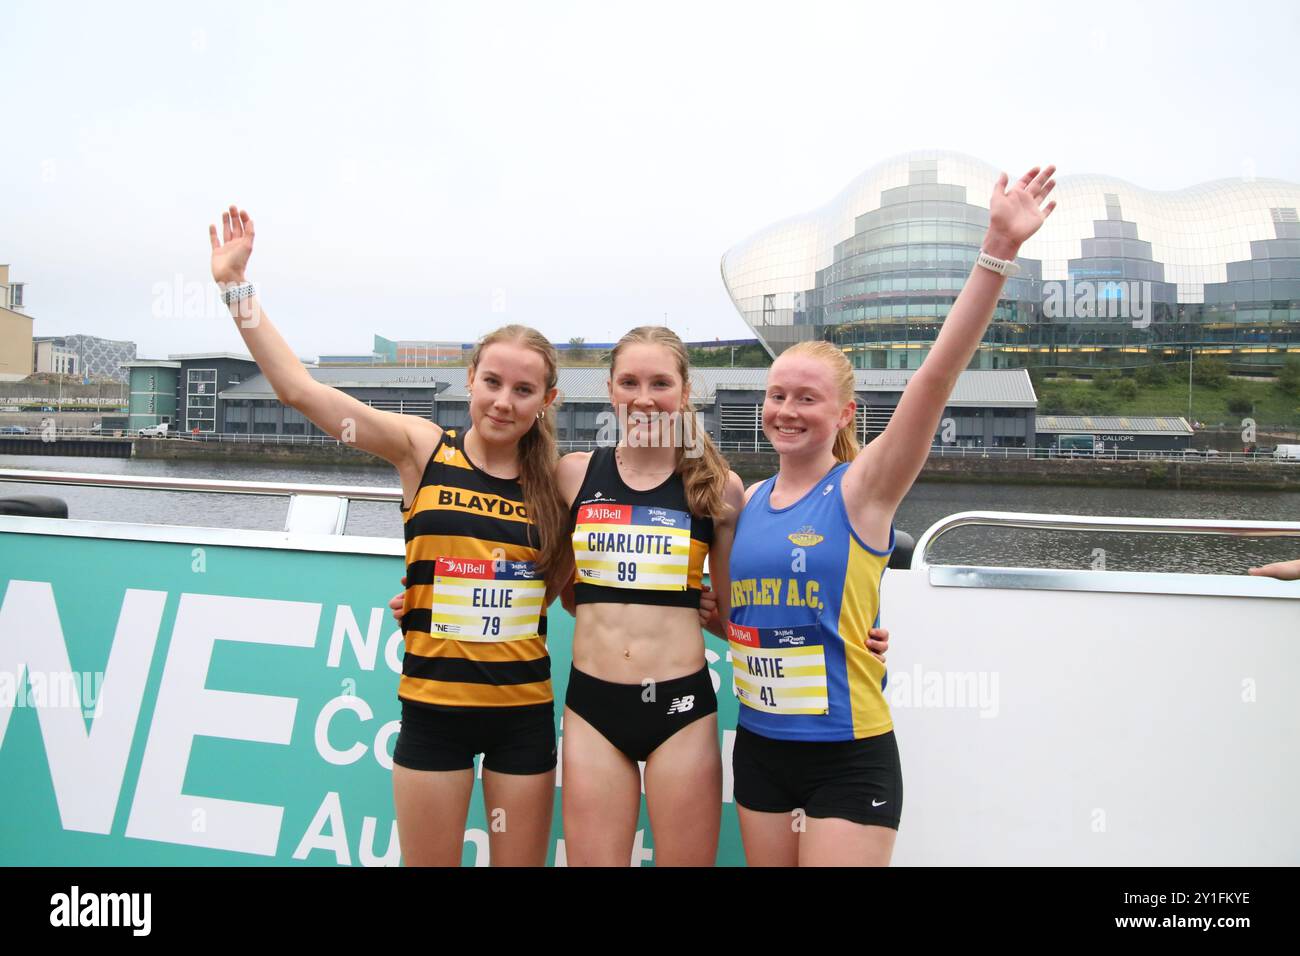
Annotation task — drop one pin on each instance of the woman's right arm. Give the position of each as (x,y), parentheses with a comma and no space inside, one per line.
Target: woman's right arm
(391,436)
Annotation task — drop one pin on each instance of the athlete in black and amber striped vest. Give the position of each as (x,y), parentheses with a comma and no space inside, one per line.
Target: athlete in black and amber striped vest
(475,624)
(477,678)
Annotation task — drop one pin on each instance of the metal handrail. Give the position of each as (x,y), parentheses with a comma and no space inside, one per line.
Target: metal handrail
(1013,453)
(214,485)
(1040,522)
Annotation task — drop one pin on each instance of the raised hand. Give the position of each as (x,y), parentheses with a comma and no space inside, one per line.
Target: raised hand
(1015,214)
(230,257)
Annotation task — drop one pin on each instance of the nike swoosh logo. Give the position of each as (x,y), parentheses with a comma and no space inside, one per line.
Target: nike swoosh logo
(880,804)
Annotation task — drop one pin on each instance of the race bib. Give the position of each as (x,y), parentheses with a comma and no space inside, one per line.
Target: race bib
(486,600)
(632,546)
(779,670)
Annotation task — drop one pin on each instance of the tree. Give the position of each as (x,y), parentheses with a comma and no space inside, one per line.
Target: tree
(577,348)
(1210,372)
(1288,377)
(1104,379)
(1126,390)
(1153,375)
(1240,404)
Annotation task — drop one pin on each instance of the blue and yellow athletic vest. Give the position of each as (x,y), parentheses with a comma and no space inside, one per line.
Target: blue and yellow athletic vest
(805,590)
(475,618)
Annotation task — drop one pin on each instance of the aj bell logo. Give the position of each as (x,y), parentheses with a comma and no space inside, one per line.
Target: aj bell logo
(681,705)
(103,909)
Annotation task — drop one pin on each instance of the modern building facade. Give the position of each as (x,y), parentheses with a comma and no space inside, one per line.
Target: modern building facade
(101,359)
(153,391)
(86,356)
(1118,275)
(414,354)
(417,352)
(49,354)
(988,408)
(1118,433)
(15,331)
(182,390)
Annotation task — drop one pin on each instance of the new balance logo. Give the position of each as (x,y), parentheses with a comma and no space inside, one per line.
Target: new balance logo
(681,705)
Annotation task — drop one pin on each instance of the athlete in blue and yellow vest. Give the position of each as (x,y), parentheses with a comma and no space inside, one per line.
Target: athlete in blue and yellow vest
(799,649)
(815,738)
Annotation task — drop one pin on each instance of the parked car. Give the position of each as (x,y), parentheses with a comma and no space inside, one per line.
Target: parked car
(12,430)
(154,431)
(1287,453)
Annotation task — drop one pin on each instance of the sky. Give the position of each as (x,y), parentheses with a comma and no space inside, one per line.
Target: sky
(434,170)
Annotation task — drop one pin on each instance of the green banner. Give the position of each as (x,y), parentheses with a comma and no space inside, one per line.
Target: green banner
(191,697)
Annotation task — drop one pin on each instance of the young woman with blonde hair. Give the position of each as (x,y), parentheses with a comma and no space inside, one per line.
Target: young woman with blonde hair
(483,526)
(645,513)
(817,773)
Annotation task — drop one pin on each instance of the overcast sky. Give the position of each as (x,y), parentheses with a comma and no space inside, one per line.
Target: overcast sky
(434,170)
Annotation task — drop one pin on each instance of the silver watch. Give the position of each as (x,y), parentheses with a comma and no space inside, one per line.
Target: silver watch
(1003,267)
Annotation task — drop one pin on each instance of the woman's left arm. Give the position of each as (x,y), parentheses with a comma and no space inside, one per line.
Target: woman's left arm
(724,533)
(882,474)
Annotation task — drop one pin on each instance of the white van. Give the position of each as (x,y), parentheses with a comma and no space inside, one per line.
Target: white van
(1288,452)
(154,431)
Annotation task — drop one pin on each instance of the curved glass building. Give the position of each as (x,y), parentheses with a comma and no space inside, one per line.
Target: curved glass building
(1118,275)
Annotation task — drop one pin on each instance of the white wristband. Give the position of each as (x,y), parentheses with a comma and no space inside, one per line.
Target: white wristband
(238,292)
(1003,267)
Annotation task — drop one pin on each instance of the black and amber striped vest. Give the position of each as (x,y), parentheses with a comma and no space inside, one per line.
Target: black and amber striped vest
(475,617)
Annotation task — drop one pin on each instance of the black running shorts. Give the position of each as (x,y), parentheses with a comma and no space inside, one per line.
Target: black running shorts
(518,740)
(856,780)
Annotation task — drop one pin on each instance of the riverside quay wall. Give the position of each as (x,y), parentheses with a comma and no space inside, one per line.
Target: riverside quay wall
(1225,476)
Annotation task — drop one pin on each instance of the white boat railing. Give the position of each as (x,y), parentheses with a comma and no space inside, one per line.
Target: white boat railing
(322,509)
(1138,582)
(986,452)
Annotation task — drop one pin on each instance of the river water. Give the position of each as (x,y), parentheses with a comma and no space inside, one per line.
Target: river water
(927,503)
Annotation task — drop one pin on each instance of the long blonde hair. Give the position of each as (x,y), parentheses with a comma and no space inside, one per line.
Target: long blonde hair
(846,439)
(537,451)
(704,476)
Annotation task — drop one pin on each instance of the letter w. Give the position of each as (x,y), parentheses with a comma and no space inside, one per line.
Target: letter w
(86,767)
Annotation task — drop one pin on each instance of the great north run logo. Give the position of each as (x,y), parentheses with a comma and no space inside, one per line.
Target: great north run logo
(1090,300)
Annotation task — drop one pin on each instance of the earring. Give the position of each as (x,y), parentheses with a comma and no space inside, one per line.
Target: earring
(541,414)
